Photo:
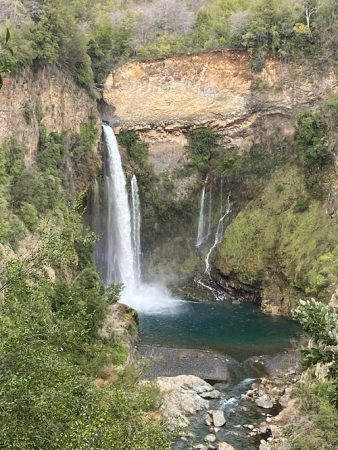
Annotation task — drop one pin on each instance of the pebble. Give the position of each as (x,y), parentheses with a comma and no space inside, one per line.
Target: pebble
(210,438)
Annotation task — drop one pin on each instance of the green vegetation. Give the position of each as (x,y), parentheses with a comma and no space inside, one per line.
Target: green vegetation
(88,38)
(61,388)
(50,350)
(202,146)
(318,399)
(286,232)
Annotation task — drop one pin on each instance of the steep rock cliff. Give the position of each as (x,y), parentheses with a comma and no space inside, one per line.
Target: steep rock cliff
(48,95)
(162,99)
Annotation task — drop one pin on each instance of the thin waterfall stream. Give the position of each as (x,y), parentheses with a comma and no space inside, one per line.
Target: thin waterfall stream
(201,218)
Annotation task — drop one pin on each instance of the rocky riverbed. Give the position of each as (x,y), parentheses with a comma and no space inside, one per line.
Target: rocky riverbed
(242,415)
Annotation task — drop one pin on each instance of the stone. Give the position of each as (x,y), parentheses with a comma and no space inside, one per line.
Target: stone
(200,447)
(208,422)
(180,399)
(225,446)
(211,394)
(264,445)
(264,401)
(210,438)
(218,418)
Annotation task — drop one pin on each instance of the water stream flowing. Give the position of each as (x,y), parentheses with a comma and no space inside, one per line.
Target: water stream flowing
(201,218)
(165,321)
(122,247)
(136,227)
(218,235)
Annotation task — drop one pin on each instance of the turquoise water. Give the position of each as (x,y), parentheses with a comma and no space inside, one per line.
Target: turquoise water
(237,330)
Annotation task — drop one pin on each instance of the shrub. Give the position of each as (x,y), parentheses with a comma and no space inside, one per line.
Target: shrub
(201,144)
(29,215)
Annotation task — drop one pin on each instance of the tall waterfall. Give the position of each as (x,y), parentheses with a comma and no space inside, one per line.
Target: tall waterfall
(201,219)
(218,235)
(120,255)
(136,227)
(209,213)
(120,245)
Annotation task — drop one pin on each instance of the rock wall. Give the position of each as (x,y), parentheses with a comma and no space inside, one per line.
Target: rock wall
(63,106)
(162,99)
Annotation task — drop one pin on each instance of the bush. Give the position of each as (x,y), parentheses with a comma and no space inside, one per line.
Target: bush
(310,141)
(29,216)
(137,151)
(201,145)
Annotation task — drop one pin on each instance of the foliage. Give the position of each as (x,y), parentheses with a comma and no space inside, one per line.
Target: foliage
(137,150)
(274,235)
(49,336)
(201,145)
(321,323)
(89,38)
(5,65)
(317,428)
(310,140)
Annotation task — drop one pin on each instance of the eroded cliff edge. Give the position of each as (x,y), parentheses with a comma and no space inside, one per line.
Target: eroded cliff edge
(161,99)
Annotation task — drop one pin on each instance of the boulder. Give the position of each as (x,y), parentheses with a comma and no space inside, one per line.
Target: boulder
(264,401)
(181,399)
(218,418)
(264,445)
(225,446)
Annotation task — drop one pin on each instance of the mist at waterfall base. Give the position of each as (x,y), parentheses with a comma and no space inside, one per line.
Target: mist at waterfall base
(118,253)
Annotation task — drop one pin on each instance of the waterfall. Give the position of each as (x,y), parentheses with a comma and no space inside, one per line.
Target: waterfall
(209,212)
(200,231)
(120,244)
(120,261)
(136,227)
(218,235)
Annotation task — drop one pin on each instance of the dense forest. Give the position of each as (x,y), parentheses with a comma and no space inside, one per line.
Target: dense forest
(88,37)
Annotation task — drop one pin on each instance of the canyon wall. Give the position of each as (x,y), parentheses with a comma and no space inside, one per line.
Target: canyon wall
(48,95)
(162,99)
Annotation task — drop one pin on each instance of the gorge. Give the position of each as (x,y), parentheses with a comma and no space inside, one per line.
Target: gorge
(168,225)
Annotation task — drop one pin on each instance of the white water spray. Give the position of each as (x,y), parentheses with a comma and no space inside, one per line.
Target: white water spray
(201,221)
(218,235)
(136,227)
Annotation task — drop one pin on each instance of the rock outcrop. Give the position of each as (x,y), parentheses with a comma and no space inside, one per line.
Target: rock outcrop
(182,397)
(48,96)
(162,99)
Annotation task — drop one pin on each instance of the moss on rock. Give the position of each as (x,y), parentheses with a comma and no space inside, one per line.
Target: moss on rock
(285,234)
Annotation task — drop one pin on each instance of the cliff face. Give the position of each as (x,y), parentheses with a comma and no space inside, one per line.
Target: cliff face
(50,94)
(161,99)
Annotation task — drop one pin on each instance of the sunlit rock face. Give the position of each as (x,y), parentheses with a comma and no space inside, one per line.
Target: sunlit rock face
(162,99)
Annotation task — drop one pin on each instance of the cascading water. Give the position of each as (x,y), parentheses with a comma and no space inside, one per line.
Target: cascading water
(121,240)
(136,227)
(209,213)
(218,235)
(201,221)
(118,217)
